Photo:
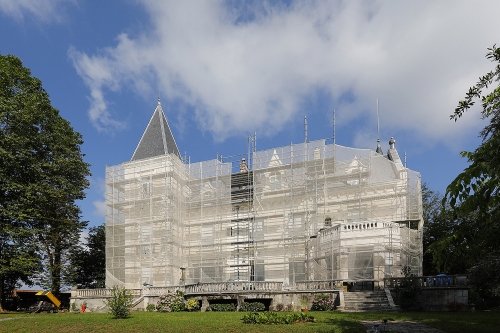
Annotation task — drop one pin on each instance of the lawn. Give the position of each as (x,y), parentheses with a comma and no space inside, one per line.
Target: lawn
(231,322)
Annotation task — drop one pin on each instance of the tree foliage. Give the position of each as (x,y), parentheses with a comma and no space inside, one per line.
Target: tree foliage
(42,174)
(439,224)
(89,261)
(409,290)
(120,302)
(484,278)
(474,194)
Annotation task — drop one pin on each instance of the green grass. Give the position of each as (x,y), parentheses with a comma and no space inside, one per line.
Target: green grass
(231,322)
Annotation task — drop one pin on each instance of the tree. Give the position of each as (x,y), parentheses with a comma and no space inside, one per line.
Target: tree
(90,261)
(484,278)
(439,224)
(431,209)
(120,302)
(42,174)
(475,191)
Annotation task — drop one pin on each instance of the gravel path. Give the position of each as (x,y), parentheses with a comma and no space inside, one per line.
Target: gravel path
(400,327)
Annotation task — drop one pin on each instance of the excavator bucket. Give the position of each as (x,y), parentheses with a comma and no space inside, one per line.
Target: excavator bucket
(50,296)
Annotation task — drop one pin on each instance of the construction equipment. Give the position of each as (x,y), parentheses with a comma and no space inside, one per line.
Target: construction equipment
(50,306)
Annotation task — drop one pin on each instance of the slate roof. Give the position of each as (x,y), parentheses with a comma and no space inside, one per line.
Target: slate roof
(157,139)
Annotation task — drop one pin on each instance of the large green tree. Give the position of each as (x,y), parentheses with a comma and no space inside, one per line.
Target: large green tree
(441,223)
(89,260)
(475,191)
(42,174)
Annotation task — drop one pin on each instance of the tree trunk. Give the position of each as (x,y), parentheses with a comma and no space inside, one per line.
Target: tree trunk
(1,291)
(56,271)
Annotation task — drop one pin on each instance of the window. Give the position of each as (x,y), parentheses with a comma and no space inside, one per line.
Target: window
(294,221)
(145,190)
(145,234)
(275,181)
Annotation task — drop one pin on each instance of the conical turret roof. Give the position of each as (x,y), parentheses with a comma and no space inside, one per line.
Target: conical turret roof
(157,139)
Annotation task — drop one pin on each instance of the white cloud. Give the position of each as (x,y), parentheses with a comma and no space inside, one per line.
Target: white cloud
(100,208)
(83,237)
(44,10)
(98,185)
(249,67)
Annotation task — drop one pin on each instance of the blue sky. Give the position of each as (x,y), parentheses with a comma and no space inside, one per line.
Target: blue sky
(225,69)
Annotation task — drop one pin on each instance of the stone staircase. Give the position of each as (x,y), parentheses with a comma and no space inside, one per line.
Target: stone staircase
(361,301)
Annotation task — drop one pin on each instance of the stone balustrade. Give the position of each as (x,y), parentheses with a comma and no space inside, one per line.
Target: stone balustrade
(319,285)
(437,281)
(157,291)
(201,288)
(98,293)
(231,287)
(434,281)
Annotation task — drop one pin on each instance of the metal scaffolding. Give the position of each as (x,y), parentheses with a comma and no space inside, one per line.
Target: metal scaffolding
(310,211)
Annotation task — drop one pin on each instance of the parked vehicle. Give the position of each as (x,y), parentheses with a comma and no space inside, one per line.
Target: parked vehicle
(51,305)
(43,306)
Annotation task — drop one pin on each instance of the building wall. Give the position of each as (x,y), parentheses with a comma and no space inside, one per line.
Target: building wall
(310,211)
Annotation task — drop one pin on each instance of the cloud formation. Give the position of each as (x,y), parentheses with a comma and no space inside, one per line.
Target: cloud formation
(46,11)
(98,185)
(251,66)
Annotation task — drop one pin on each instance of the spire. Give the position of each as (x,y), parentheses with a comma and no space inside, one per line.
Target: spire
(157,139)
(379,149)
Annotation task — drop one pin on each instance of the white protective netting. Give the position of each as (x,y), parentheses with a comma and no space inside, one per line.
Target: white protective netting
(311,211)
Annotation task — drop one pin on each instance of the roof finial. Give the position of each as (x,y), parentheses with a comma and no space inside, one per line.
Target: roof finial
(159,103)
(391,143)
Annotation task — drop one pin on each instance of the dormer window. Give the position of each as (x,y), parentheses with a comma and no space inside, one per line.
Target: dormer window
(208,190)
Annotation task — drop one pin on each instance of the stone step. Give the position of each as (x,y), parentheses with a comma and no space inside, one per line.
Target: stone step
(368,310)
(358,301)
(365,301)
(373,297)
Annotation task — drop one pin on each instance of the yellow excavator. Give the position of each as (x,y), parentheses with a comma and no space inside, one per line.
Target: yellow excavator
(50,306)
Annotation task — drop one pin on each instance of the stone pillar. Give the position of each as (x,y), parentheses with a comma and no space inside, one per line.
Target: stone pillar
(204,304)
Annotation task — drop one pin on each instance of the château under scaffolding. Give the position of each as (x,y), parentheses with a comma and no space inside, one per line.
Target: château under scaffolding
(302,212)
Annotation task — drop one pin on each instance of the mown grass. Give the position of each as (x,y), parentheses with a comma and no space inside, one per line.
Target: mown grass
(231,322)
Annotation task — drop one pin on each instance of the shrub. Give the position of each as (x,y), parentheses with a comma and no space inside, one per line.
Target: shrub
(289,307)
(484,281)
(323,303)
(275,318)
(252,307)
(409,289)
(192,305)
(171,302)
(221,307)
(280,307)
(455,306)
(150,307)
(120,302)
